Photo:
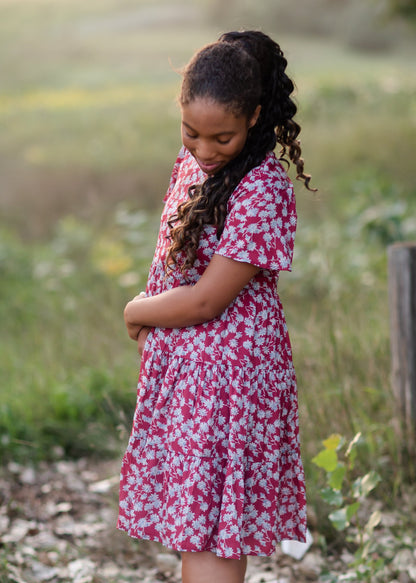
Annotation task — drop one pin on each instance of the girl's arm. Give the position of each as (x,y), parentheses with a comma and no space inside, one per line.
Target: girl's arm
(188,305)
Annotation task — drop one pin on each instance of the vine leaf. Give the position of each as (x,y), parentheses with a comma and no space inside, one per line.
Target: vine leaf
(326,459)
(337,477)
(363,486)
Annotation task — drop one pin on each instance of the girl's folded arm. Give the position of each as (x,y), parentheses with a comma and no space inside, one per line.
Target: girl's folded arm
(189,305)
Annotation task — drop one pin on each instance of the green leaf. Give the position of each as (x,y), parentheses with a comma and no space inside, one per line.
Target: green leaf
(352,509)
(370,481)
(326,459)
(373,521)
(353,443)
(356,488)
(363,486)
(378,564)
(333,441)
(337,477)
(332,497)
(361,555)
(351,452)
(339,519)
(329,578)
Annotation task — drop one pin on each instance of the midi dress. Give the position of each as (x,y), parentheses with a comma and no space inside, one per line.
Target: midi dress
(213,462)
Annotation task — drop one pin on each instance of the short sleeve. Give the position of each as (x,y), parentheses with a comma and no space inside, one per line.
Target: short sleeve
(261,223)
(175,172)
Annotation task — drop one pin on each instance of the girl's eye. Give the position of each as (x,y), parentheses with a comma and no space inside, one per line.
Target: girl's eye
(223,142)
(191,137)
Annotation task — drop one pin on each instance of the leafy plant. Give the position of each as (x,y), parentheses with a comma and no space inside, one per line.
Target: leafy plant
(346,492)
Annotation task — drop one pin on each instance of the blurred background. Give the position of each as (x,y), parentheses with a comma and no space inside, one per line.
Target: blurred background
(89,133)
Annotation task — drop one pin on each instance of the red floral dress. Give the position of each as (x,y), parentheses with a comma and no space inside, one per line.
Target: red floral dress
(213,460)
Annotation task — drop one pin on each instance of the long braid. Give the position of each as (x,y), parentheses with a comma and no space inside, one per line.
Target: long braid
(263,60)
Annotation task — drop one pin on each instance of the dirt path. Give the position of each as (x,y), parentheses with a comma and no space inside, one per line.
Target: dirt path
(57,524)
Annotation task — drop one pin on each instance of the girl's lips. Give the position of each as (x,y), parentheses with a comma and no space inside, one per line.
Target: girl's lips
(208,168)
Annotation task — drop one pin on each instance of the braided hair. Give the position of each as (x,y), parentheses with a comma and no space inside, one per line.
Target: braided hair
(240,71)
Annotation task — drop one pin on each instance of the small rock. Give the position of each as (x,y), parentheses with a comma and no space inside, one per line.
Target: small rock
(52,509)
(45,540)
(63,507)
(346,557)
(4,524)
(15,574)
(27,551)
(19,558)
(107,515)
(389,519)
(402,560)
(42,572)
(53,557)
(314,562)
(264,577)
(58,451)
(20,528)
(151,577)
(103,486)
(64,467)
(166,562)
(14,468)
(28,476)
(46,488)
(89,476)
(109,570)
(74,483)
(67,526)
(285,573)
(309,568)
(81,571)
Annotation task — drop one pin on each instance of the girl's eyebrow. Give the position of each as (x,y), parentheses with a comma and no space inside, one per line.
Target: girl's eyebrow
(225,133)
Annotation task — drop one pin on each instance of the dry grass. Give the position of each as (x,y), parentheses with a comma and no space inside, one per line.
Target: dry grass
(89,122)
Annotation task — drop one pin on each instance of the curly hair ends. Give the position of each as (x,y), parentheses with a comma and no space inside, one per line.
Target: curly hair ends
(241,71)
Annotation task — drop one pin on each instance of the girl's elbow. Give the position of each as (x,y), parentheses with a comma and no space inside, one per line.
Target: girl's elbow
(128,314)
(208,311)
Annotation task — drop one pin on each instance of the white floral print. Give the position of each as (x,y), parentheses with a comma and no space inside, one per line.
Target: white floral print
(213,461)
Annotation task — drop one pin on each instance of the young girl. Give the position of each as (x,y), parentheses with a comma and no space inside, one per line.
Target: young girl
(213,466)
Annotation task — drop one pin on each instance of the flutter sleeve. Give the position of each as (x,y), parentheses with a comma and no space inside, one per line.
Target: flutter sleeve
(175,171)
(261,223)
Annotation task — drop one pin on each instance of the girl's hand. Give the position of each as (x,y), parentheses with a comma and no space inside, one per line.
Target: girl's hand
(188,305)
(139,297)
(133,328)
(141,339)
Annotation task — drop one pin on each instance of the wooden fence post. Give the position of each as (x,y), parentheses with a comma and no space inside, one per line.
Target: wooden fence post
(402,301)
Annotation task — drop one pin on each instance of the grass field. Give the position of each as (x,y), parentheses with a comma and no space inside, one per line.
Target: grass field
(89,134)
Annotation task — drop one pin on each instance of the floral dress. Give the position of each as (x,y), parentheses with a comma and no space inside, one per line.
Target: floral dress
(213,461)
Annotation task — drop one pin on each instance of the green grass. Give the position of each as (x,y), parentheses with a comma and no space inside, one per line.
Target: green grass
(70,367)
(88,111)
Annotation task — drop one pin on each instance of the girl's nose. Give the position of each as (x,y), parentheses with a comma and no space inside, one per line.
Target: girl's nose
(205,152)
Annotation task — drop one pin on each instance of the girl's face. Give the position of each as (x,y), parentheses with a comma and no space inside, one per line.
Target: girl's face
(213,134)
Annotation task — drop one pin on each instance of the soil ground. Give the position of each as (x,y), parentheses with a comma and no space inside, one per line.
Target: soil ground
(58,524)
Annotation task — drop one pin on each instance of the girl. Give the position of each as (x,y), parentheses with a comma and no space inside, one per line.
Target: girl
(213,467)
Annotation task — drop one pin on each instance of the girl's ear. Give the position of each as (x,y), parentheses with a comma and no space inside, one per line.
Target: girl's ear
(254,117)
